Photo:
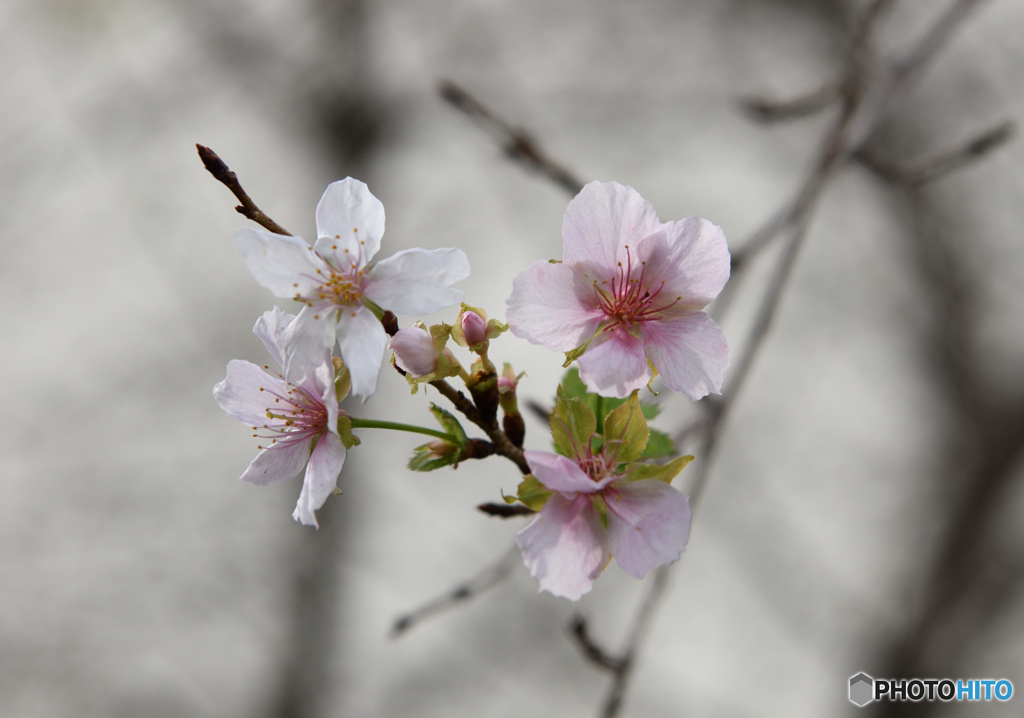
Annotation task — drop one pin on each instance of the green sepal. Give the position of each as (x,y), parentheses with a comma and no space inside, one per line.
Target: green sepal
(345,431)
(661,472)
(531,493)
(572,425)
(573,355)
(625,430)
(342,379)
(659,446)
(427,457)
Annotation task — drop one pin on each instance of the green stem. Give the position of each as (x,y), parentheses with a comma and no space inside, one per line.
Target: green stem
(395,426)
(599,405)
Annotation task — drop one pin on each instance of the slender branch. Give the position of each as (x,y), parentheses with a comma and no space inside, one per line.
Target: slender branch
(766,110)
(220,171)
(590,650)
(927,169)
(518,144)
(505,511)
(471,588)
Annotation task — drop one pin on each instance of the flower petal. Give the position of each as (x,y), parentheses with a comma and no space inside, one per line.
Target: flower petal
(362,341)
(692,258)
(349,224)
(244,393)
(615,366)
(553,305)
(282,460)
(323,387)
(565,546)
(284,265)
(599,222)
(690,353)
(559,473)
(271,329)
(414,351)
(416,281)
(648,525)
(308,342)
(321,478)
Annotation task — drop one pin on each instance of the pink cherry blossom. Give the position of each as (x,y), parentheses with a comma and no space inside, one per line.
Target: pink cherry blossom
(415,351)
(288,412)
(339,287)
(566,547)
(474,327)
(630,288)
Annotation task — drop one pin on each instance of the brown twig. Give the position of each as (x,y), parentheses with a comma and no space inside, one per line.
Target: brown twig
(471,588)
(518,144)
(223,174)
(590,650)
(505,511)
(766,110)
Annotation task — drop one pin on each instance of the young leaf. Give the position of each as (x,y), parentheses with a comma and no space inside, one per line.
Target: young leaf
(572,425)
(533,493)
(659,445)
(435,455)
(665,473)
(450,425)
(625,431)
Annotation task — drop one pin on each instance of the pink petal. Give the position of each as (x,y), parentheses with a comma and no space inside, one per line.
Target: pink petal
(349,218)
(321,478)
(284,265)
(564,547)
(599,222)
(648,525)
(416,281)
(362,341)
(615,366)
(559,473)
(414,351)
(247,391)
(690,352)
(282,460)
(553,305)
(692,258)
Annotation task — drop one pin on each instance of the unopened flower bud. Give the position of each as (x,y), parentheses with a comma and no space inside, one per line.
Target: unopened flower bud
(474,327)
(414,351)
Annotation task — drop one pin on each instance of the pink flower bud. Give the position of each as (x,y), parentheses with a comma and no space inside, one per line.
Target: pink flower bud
(474,327)
(414,351)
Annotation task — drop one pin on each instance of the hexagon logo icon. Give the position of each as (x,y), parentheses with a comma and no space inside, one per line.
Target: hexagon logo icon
(862,689)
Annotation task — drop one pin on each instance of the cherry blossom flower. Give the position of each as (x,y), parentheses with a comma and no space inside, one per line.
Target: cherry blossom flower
(344,295)
(292,413)
(628,295)
(595,513)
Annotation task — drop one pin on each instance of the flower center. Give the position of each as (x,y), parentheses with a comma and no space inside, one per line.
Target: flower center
(292,416)
(628,299)
(336,286)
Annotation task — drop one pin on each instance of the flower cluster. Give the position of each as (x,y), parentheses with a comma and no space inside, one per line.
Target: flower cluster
(625,302)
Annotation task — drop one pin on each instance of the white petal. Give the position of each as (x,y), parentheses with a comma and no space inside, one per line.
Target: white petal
(614,365)
(362,341)
(565,547)
(271,328)
(599,222)
(559,473)
(416,281)
(689,352)
(247,391)
(282,460)
(323,387)
(349,218)
(648,525)
(308,343)
(553,305)
(414,351)
(321,478)
(284,265)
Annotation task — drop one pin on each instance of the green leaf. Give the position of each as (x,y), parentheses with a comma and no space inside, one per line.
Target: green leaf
(666,472)
(572,386)
(450,425)
(572,425)
(532,493)
(435,455)
(650,410)
(625,431)
(659,446)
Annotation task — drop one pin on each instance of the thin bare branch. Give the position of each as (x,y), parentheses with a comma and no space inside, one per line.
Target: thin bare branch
(504,511)
(517,143)
(223,174)
(464,591)
(590,650)
(766,110)
(927,169)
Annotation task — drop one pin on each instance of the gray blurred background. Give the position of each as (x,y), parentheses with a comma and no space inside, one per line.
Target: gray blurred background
(864,511)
